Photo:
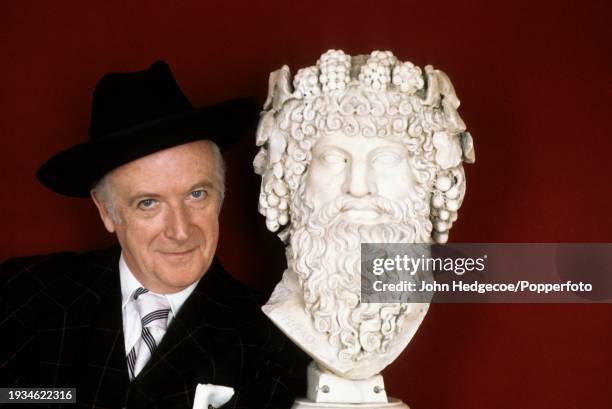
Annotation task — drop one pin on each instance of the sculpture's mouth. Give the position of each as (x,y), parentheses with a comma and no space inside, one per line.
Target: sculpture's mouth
(361,213)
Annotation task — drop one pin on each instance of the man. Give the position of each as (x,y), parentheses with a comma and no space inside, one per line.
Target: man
(362,149)
(141,325)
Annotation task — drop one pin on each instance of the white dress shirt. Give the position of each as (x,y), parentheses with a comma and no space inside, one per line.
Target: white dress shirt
(131,320)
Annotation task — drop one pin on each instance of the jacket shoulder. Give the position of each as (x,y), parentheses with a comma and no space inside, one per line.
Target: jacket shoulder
(24,278)
(230,291)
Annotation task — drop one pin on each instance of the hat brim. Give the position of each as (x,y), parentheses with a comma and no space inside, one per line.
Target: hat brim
(73,171)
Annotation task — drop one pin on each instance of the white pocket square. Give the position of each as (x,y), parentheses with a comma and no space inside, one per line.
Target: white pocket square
(208,395)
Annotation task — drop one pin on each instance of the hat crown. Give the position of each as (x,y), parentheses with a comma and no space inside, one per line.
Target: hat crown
(123,101)
(135,115)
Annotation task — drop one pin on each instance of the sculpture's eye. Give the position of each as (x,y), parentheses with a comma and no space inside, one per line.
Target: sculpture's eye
(333,158)
(386,159)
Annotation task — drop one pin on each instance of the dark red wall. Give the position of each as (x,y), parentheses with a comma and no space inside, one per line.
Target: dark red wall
(533,77)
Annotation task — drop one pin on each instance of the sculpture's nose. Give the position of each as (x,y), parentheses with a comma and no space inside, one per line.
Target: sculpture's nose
(356,182)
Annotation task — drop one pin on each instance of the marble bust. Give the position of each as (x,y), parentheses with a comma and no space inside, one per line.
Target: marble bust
(355,149)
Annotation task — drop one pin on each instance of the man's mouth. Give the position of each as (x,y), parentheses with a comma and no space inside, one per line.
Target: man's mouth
(178,254)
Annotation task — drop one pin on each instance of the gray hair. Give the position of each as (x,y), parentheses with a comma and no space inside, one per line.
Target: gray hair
(104,192)
(219,171)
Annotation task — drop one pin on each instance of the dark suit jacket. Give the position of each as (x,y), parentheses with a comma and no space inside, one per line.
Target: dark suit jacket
(61,326)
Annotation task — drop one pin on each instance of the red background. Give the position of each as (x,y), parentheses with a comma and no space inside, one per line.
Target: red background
(533,78)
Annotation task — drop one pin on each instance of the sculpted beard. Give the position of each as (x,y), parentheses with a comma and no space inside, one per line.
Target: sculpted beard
(325,254)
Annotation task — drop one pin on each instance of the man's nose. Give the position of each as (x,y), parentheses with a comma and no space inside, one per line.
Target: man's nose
(357,181)
(177,227)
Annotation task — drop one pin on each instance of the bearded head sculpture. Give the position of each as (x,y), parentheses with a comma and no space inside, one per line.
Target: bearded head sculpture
(363,149)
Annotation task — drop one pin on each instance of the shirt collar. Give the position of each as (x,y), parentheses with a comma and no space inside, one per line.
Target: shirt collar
(129,284)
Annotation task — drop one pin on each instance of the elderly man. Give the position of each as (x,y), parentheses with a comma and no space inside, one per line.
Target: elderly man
(141,326)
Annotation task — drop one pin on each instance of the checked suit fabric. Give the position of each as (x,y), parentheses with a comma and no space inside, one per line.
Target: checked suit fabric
(61,325)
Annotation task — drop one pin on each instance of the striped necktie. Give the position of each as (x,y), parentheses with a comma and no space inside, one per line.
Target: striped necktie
(153,310)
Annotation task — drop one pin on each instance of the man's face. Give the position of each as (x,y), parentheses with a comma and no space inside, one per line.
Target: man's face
(167,205)
(359,168)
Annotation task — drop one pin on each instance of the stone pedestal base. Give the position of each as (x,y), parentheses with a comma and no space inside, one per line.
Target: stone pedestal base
(325,387)
(328,391)
(302,403)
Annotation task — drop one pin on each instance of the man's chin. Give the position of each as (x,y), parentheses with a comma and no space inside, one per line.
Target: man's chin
(180,272)
(175,281)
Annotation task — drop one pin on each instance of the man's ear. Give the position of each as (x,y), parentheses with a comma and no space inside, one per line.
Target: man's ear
(107,219)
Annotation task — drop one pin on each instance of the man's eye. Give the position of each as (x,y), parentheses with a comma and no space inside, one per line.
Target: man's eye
(198,194)
(147,204)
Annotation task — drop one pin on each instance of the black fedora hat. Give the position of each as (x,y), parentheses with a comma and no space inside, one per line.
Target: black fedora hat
(136,114)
